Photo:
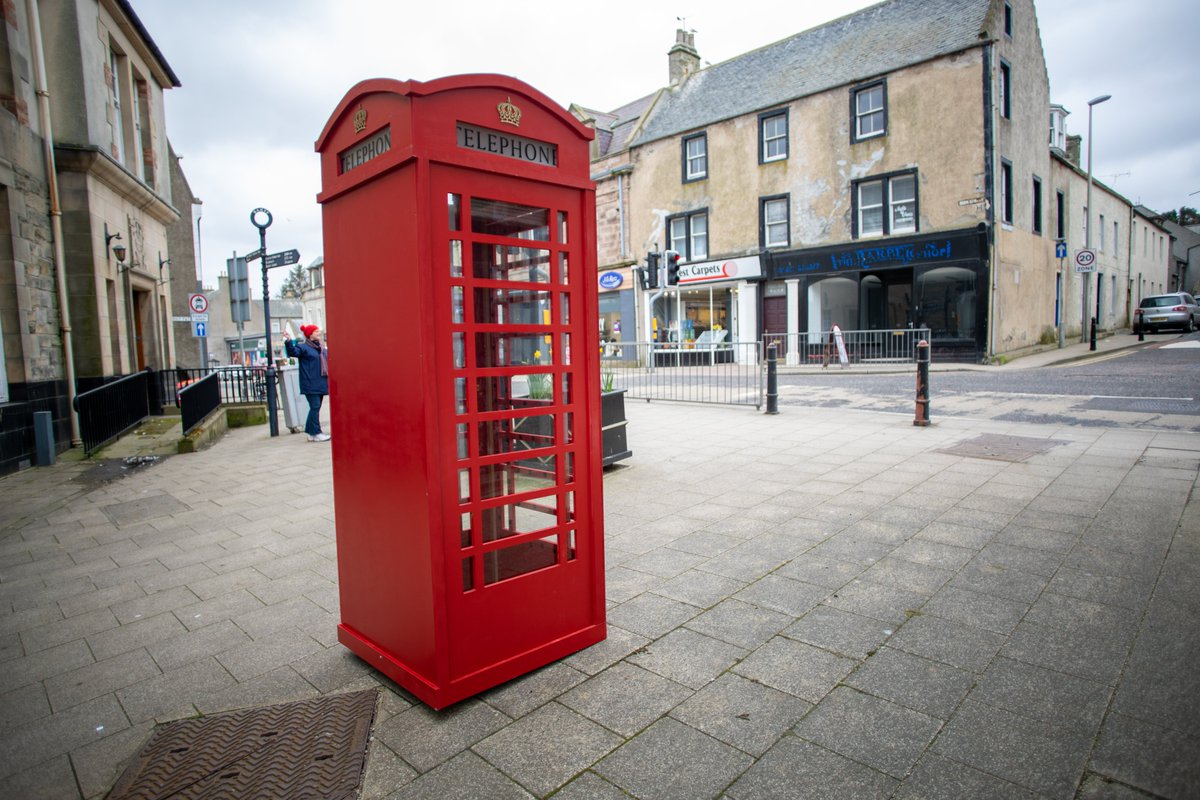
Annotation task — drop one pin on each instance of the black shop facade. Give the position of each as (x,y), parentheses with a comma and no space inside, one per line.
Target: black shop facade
(935,281)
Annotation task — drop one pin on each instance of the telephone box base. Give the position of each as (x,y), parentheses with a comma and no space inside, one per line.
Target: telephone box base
(438,696)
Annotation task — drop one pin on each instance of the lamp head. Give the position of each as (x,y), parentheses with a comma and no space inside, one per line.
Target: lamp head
(118,252)
(1095,101)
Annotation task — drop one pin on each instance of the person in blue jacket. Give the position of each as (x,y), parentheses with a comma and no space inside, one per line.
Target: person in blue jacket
(313,356)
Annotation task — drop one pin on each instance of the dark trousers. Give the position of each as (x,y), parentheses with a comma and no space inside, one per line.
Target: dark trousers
(312,425)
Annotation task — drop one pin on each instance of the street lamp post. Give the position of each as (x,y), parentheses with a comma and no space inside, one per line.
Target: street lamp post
(1087,234)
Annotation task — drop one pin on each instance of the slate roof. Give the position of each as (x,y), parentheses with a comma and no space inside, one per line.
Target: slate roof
(613,128)
(867,43)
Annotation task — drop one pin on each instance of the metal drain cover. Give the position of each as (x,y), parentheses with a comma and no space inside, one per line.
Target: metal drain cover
(999,447)
(308,749)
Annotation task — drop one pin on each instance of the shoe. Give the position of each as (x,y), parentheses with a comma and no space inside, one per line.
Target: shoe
(320,437)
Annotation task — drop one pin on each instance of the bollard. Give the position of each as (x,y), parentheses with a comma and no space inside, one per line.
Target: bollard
(1141,333)
(1093,345)
(921,419)
(772,381)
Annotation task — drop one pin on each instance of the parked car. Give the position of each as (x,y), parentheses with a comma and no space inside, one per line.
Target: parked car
(1177,310)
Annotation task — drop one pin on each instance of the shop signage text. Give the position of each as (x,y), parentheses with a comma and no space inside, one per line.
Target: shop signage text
(508,145)
(953,247)
(728,270)
(359,154)
(611,280)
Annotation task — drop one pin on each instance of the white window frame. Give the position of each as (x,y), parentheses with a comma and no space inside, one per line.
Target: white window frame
(688,235)
(871,113)
(769,138)
(1007,209)
(776,232)
(695,161)
(888,205)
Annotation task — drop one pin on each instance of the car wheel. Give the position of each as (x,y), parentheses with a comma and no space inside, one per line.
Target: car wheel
(1188,326)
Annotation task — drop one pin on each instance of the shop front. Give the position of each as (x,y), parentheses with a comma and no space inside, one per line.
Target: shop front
(714,302)
(617,313)
(936,281)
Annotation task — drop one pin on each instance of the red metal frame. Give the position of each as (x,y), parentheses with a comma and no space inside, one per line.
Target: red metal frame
(468,506)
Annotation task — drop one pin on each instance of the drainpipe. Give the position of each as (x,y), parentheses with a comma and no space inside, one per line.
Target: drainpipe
(990,189)
(60,258)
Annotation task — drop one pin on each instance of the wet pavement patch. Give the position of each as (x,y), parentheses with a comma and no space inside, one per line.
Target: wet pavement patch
(998,447)
(159,505)
(309,748)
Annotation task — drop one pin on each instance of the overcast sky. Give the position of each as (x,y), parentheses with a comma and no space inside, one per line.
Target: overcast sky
(260,79)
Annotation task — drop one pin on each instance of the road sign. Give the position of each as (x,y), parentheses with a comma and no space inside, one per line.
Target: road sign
(282,259)
(198,303)
(200,329)
(199,317)
(181,319)
(1060,249)
(1085,260)
(251,256)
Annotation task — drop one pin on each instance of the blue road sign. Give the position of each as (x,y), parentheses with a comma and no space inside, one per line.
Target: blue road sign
(1060,249)
(199,329)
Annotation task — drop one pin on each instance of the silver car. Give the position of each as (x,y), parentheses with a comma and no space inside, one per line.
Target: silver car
(1178,310)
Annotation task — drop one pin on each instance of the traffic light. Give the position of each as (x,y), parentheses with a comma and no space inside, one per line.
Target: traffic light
(651,273)
(672,268)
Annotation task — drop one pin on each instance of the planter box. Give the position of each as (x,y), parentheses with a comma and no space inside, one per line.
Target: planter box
(614,445)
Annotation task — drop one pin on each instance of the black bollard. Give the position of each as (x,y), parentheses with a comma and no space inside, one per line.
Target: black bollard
(921,419)
(772,381)
(1093,345)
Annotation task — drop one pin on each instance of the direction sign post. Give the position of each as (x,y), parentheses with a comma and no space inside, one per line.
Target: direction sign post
(261,218)
(284,258)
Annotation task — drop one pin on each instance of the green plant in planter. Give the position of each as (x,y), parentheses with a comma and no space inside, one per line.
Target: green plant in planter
(539,386)
(606,382)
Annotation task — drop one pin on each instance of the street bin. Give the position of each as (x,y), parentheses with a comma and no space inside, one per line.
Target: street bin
(295,406)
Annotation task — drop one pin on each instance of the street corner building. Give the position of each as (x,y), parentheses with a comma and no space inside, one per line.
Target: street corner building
(898,168)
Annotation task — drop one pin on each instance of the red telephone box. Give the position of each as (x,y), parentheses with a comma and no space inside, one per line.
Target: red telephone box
(460,252)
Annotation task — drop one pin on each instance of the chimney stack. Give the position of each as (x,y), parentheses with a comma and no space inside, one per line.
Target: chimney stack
(1073,147)
(682,57)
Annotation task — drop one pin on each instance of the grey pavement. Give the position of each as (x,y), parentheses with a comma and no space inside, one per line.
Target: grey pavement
(825,603)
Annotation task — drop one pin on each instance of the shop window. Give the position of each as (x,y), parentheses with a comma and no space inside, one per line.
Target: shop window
(947,300)
(868,111)
(692,312)
(689,235)
(885,205)
(774,223)
(695,157)
(772,136)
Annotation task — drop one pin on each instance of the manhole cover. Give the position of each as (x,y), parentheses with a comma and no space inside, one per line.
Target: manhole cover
(158,505)
(999,447)
(308,749)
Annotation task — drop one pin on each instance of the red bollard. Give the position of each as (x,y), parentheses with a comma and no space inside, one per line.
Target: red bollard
(922,415)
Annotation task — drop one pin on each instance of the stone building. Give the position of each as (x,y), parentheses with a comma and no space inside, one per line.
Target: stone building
(85,256)
(889,169)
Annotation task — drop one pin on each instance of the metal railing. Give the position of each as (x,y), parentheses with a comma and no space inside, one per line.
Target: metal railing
(896,346)
(197,400)
(237,384)
(725,372)
(110,410)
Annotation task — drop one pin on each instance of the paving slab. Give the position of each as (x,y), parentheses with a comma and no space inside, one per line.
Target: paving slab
(850,613)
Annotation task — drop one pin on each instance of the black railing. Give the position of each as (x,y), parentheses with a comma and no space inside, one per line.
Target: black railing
(110,410)
(237,384)
(199,399)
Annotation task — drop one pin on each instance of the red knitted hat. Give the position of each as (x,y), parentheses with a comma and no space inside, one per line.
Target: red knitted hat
(307,330)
